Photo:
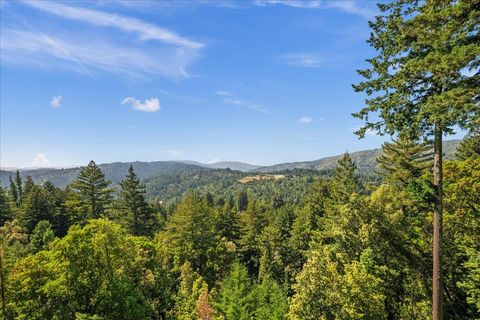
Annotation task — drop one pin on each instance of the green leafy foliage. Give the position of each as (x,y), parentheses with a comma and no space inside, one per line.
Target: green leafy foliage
(97,270)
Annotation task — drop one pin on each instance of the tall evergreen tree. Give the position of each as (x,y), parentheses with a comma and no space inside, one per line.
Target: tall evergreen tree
(35,208)
(404,159)
(470,146)
(5,209)
(190,235)
(417,84)
(227,223)
(242,200)
(41,236)
(17,191)
(27,186)
(13,191)
(252,222)
(132,207)
(61,218)
(92,191)
(345,182)
(235,300)
(19,186)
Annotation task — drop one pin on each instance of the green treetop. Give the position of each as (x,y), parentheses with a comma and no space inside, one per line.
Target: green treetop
(470,146)
(92,191)
(345,182)
(134,211)
(404,159)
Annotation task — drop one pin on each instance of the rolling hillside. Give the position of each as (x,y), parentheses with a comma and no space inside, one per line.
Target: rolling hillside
(365,160)
(114,171)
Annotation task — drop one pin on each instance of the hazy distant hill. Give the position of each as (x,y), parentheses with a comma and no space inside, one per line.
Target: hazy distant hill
(233,165)
(365,160)
(114,171)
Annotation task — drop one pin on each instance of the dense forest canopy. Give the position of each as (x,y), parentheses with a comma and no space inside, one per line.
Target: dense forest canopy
(346,249)
(339,243)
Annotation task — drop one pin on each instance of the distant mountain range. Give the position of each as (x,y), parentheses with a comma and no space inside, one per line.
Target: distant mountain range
(233,165)
(365,160)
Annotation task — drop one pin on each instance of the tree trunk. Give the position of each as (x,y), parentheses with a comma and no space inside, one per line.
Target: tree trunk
(2,280)
(437,293)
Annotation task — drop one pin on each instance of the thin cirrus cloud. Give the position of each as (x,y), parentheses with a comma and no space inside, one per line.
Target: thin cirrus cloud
(223,93)
(363,9)
(305,120)
(145,30)
(167,55)
(230,98)
(148,105)
(56,101)
(304,60)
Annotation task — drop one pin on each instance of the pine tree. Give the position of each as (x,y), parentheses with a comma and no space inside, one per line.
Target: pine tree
(61,218)
(35,208)
(403,160)
(133,209)
(19,186)
(27,186)
(271,300)
(417,84)
(92,191)
(470,146)
(345,181)
(5,209)
(13,192)
(242,200)
(235,300)
(252,222)
(227,222)
(190,235)
(41,236)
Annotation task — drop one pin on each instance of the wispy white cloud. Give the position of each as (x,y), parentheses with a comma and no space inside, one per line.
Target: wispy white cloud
(26,48)
(231,98)
(149,105)
(290,3)
(357,7)
(245,104)
(40,160)
(305,120)
(181,97)
(304,60)
(223,93)
(83,50)
(56,101)
(364,9)
(145,30)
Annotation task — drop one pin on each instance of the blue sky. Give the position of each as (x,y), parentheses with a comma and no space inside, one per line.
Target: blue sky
(261,82)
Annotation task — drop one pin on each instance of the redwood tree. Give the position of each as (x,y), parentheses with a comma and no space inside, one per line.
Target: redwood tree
(424,81)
